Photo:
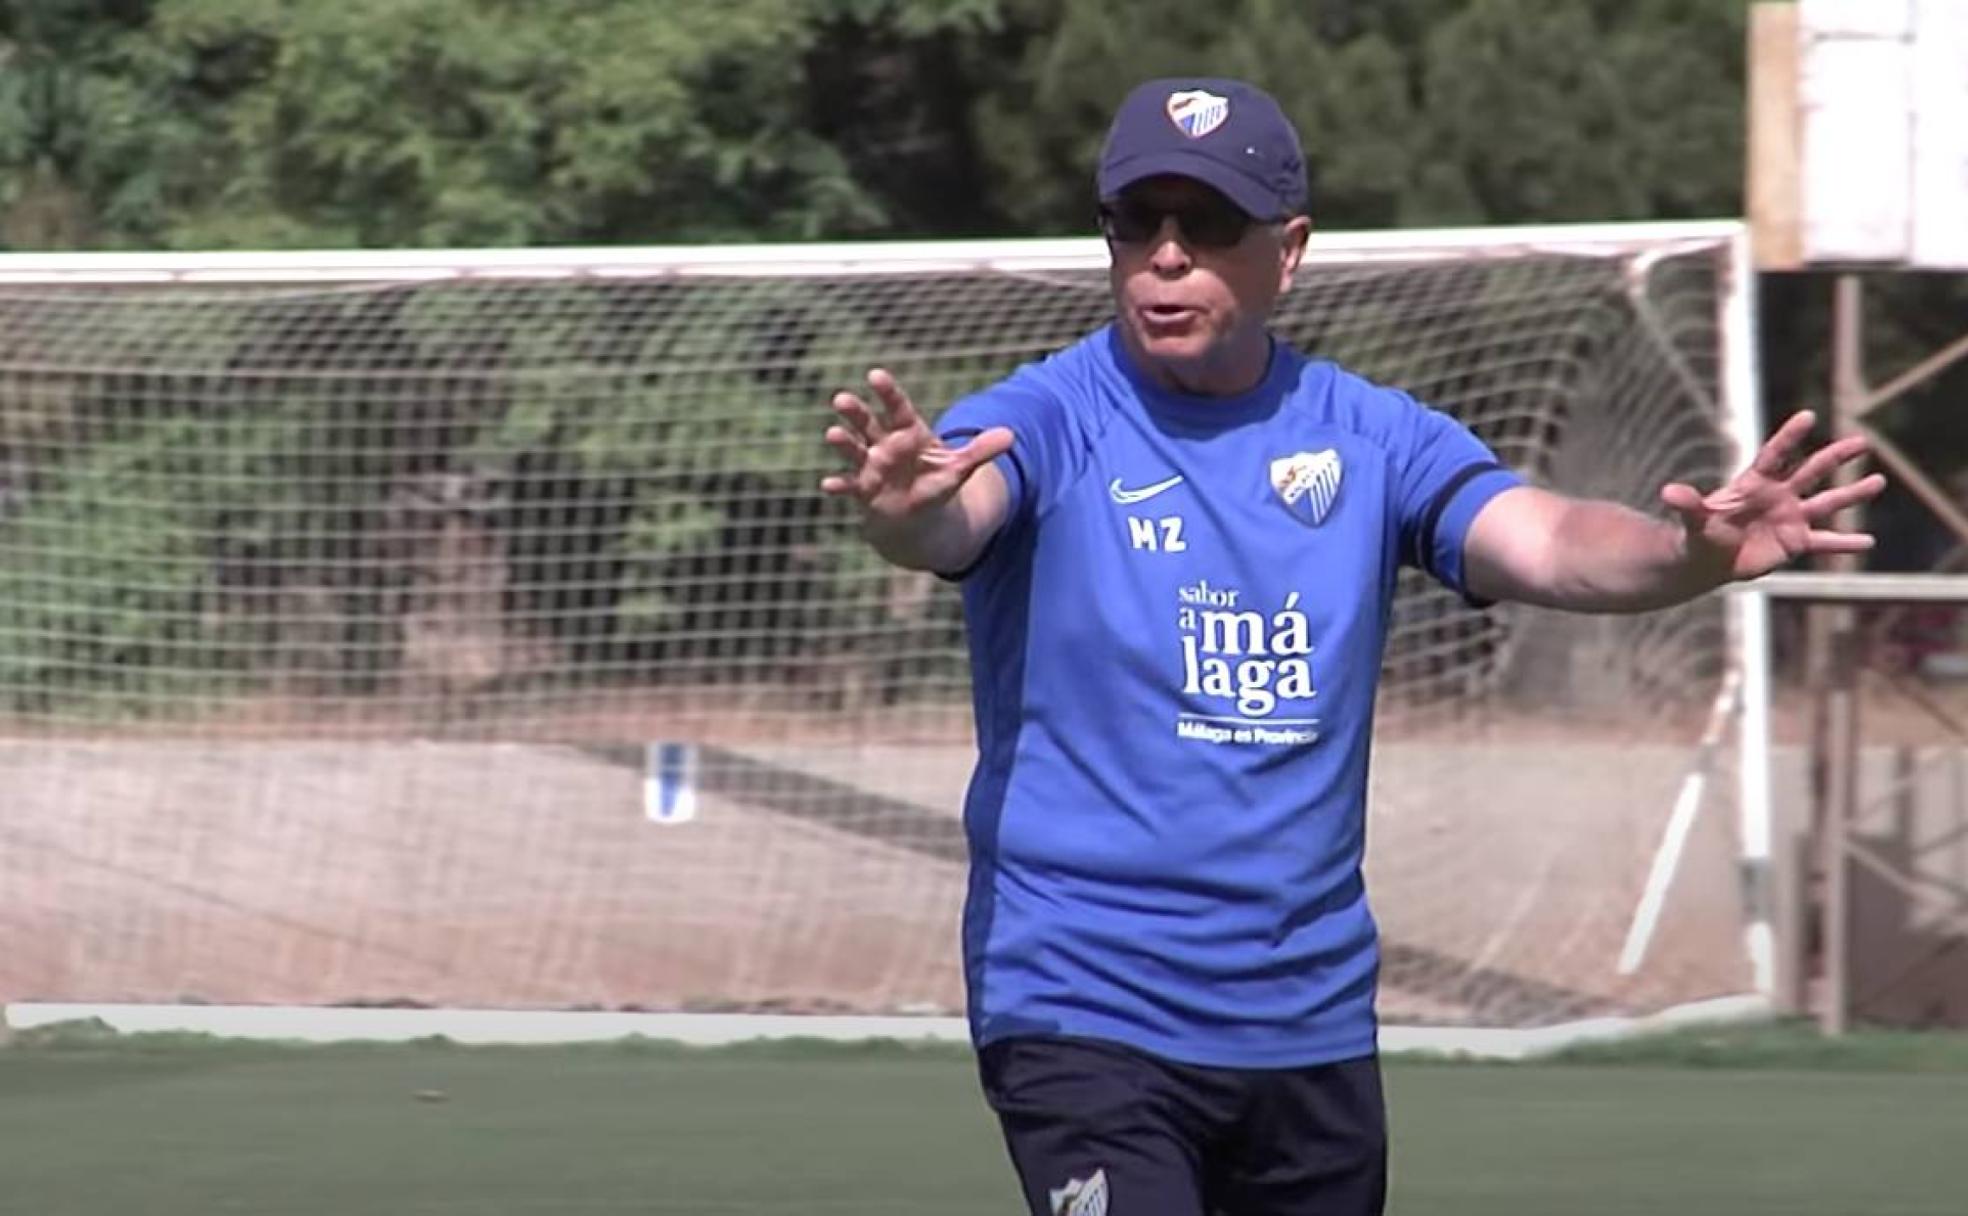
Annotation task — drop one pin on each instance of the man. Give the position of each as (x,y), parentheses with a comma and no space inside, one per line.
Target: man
(1177,541)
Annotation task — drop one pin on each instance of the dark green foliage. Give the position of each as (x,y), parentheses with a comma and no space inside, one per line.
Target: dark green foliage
(277,490)
(627,497)
(241,123)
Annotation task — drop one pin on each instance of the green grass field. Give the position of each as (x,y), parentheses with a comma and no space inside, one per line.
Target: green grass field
(1766,1122)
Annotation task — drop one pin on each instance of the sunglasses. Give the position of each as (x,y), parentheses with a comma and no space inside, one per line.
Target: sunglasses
(1206,223)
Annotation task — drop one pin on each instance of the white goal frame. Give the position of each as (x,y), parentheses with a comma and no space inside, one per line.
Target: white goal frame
(1744,699)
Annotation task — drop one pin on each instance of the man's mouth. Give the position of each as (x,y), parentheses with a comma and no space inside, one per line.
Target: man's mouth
(1168,314)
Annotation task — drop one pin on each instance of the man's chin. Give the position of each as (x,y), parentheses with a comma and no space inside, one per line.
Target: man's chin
(1176,351)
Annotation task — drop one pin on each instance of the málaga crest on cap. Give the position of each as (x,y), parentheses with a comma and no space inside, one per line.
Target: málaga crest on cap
(1197,112)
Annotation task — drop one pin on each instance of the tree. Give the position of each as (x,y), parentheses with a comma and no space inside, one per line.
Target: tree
(79,138)
(890,85)
(467,122)
(229,123)
(1541,114)
(1411,111)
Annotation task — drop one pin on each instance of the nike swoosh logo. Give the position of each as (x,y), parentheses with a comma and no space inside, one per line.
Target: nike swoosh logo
(1127,497)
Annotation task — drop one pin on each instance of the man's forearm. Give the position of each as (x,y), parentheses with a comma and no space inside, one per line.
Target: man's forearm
(945,538)
(1604,557)
(1537,547)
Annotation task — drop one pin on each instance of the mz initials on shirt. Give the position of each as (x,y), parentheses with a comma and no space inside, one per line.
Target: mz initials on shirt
(1162,535)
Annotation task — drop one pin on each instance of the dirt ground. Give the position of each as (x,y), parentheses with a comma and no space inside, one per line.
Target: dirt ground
(818,875)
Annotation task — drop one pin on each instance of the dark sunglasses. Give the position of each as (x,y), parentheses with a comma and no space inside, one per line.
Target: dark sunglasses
(1208,223)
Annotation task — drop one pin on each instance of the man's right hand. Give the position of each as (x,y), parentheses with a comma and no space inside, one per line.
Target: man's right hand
(897,467)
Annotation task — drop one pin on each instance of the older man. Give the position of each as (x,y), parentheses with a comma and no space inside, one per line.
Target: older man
(1177,541)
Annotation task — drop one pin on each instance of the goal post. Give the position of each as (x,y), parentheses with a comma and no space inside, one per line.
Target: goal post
(463,629)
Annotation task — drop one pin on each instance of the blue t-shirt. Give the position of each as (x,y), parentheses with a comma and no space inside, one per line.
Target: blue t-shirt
(1174,641)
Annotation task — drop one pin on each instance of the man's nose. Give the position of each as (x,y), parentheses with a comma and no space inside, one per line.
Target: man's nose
(1169,255)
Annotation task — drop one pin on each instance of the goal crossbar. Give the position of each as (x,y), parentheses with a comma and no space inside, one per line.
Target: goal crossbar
(1011,256)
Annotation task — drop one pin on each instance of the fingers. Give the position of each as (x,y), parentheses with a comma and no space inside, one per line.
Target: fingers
(1774,459)
(1685,501)
(1823,462)
(1830,502)
(901,411)
(1825,541)
(893,454)
(983,448)
(856,414)
(850,446)
(898,413)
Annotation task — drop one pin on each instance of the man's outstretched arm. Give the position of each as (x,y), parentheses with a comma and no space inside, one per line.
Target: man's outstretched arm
(1537,547)
(925,505)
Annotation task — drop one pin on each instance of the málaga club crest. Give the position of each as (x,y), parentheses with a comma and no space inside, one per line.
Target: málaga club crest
(1081,1197)
(1197,112)
(1308,482)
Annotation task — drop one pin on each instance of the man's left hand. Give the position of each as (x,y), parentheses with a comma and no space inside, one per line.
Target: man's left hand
(1773,513)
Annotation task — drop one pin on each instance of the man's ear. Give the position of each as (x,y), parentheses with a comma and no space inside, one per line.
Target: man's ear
(1291,247)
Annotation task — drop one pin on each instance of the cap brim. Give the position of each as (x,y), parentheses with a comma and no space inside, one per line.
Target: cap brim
(1256,201)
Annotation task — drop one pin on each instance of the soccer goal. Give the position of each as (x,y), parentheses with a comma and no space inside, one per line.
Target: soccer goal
(464,630)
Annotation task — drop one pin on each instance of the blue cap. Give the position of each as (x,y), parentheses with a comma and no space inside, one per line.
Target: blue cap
(1224,133)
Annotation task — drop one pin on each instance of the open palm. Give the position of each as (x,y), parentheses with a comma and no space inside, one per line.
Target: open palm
(1773,513)
(897,466)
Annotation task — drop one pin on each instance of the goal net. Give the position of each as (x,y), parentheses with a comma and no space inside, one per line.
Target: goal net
(465,630)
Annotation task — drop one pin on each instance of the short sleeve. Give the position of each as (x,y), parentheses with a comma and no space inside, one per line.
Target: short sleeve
(1445,476)
(1033,467)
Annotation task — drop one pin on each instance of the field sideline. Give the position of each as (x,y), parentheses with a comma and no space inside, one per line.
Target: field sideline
(1723,1121)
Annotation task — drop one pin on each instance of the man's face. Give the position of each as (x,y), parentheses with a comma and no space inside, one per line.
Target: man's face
(1194,278)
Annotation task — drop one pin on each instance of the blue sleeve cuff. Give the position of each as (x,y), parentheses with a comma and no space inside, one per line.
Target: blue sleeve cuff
(1446,524)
